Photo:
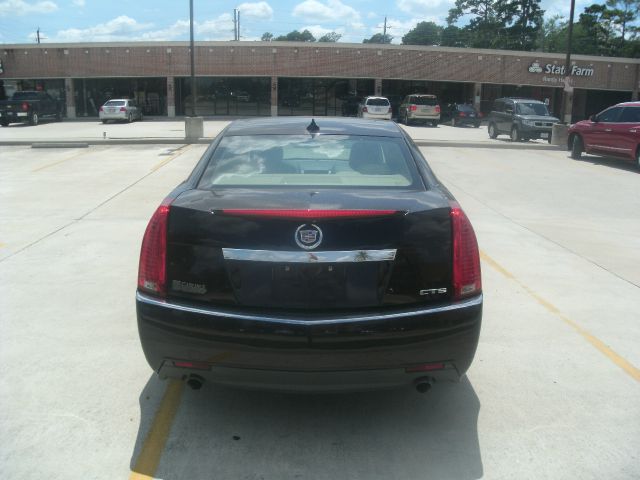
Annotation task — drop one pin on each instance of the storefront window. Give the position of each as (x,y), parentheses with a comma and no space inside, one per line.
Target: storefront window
(54,87)
(92,93)
(224,96)
(321,96)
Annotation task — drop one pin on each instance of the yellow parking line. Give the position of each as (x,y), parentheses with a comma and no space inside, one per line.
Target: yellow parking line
(151,452)
(177,153)
(149,458)
(74,155)
(593,340)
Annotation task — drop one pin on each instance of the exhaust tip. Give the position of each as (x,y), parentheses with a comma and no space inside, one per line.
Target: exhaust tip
(424,384)
(195,382)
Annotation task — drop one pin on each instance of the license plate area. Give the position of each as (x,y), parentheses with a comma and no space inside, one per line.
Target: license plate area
(544,135)
(304,286)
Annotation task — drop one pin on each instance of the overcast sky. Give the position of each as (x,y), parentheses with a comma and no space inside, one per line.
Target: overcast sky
(135,20)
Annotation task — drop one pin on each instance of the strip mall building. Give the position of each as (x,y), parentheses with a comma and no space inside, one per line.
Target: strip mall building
(290,78)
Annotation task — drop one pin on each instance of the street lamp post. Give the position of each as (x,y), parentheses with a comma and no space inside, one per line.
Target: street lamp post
(566,94)
(193,63)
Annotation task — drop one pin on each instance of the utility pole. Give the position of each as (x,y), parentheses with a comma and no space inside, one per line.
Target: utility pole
(235,24)
(566,95)
(193,63)
(38,35)
(238,39)
(384,31)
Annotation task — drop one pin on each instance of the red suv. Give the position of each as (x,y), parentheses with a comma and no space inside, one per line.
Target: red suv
(614,132)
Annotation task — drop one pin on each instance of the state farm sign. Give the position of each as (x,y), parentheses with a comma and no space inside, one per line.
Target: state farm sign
(552,69)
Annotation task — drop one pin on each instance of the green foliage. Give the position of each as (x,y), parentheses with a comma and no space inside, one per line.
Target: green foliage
(609,29)
(330,37)
(267,37)
(424,33)
(378,38)
(296,36)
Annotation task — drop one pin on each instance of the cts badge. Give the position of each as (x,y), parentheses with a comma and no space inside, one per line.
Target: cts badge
(433,291)
(308,236)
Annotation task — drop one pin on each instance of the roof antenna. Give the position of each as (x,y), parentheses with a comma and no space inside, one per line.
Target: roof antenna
(313,127)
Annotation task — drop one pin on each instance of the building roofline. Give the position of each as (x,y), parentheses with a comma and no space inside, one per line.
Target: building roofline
(319,45)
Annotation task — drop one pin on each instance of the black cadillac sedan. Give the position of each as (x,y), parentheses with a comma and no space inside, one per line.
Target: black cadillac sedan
(307,255)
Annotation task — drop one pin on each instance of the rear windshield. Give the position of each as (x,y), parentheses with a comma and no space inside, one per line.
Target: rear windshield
(532,109)
(378,102)
(423,101)
(318,161)
(25,96)
(465,108)
(115,103)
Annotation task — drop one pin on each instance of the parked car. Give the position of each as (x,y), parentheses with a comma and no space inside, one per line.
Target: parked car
(375,108)
(521,119)
(461,114)
(30,107)
(122,109)
(310,255)
(419,108)
(613,132)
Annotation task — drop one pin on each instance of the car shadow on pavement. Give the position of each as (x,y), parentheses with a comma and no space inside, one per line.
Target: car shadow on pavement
(219,432)
(612,162)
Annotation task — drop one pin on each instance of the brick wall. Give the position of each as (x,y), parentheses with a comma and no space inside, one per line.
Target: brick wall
(305,60)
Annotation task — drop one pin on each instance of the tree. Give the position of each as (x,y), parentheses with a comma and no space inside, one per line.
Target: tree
(523,20)
(378,38)
(267,37)
(453,36)
(424,33)
(296,36)
(330,37)
(485,29)
(553,34)
(622,14)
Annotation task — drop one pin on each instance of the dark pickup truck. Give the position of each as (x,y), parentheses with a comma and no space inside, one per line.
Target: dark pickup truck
(29,106)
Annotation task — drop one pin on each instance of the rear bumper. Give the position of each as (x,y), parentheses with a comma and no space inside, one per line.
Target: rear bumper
(307,353)
(114,116)
(12,117)
(379,116)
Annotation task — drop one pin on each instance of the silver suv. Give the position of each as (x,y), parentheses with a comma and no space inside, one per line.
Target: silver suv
(419,108)
(521,119)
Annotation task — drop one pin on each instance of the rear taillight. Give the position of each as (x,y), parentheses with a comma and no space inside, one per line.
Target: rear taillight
(413,108)
(152,271)
(102,109)
(123,109)
(480,114)
(24,106)
(437,108)
(390,110)
(466,256)
(364,109)
(462,114)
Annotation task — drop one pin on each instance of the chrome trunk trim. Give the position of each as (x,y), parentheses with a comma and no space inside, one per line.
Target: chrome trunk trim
(277,256)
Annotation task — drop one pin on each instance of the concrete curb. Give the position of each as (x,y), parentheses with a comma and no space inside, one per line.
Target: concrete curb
(206,141)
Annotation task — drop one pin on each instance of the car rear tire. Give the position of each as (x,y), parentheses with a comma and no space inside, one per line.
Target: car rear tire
(492,131)
(477,125)
(33,119)
(5,124)
(104,121)
(638,158)
(577,147)
(515,134)
(454,122)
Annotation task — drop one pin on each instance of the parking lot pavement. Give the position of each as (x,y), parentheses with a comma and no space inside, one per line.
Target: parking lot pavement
(554,391)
